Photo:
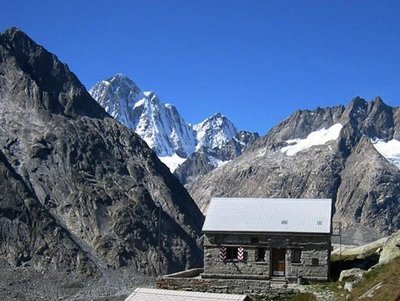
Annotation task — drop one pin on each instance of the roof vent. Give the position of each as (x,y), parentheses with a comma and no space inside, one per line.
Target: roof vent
(319,223)
(284,222)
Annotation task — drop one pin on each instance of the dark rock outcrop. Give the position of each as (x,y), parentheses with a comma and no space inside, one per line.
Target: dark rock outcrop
(80,191)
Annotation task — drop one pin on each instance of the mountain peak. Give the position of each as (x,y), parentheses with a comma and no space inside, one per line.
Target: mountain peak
(121,75)
(216,120)
(159,124)
(52,81)
(358,102)
(379,104)
(215,131)
(62,158)
(121,79)
(378,99)
(216,115)
(14,33)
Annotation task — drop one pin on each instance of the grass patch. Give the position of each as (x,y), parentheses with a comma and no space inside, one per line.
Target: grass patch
(301,297)
(388,275)
(296,297)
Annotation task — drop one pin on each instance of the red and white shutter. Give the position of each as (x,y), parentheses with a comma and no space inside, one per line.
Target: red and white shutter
(240,254)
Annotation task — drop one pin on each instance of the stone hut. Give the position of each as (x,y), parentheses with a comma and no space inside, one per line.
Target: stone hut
(261,239)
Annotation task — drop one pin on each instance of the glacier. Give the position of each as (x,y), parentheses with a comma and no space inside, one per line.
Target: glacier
(315,138)
(390,150)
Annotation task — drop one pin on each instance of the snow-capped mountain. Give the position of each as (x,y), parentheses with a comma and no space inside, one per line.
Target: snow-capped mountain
(214,132)
(162,127)
(160,124)
(118,95)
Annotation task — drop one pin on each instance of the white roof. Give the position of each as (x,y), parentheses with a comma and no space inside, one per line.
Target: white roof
(268,215)
(150,294)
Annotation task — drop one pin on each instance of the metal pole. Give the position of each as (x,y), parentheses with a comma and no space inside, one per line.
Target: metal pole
(159,239)
(340,247)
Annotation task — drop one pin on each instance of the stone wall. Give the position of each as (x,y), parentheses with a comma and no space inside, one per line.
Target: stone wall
(248,268)
(271,289)
(307,268)
(313,264)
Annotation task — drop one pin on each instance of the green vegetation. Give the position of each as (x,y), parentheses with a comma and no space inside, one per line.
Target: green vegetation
(388,275)
(297,297)
(301,297)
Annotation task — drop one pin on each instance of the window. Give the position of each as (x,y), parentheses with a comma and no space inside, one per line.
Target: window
(231,253)
(296,256)
(315,261)
(260,254)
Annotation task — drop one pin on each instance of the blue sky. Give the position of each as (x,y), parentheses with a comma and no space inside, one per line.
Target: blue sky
(254,61)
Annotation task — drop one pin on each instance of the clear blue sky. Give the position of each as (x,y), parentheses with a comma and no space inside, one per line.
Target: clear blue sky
(254,61)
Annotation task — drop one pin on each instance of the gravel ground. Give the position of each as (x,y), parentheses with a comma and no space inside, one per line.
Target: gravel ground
(25,284)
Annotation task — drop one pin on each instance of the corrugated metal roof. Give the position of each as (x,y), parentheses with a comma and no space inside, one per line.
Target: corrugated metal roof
(268,215)
(150,294)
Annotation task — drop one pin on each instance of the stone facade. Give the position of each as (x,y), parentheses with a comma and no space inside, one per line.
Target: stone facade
(191,281)
(305,255)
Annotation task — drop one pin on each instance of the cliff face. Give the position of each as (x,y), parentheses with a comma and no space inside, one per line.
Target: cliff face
(81,191)
(350,154)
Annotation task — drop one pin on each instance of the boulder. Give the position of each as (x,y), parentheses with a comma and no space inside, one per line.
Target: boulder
(360,252)
(391,248)
(352,275)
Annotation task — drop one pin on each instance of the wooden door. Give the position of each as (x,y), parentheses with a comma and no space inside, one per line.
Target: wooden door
(278,262)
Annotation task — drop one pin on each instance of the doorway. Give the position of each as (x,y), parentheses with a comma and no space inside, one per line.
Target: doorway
(278,262)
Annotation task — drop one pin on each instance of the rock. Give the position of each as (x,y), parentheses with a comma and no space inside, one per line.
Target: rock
(370,293)
(360,252)
(390,249)
(352,275)
(205,159)
(81,193)
(348,286)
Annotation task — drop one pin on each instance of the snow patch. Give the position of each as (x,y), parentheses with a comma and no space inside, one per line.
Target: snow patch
(217,162)
(390,150)
(319,137)
(139,103)
(172,161)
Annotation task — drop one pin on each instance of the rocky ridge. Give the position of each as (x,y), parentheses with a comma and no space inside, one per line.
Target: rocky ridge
(165,131)
(330,153)
(205,160)
(82,194)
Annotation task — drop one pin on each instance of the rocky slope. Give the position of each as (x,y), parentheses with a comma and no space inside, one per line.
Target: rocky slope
(345,153)
(205,159)
(164,129)
(81,193)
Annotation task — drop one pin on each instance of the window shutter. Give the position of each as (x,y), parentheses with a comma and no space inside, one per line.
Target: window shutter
(222,253)
(240,254)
